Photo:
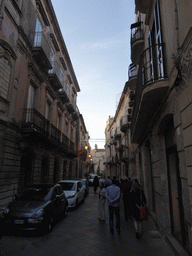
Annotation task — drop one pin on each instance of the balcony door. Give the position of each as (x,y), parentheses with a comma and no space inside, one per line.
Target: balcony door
(30,103)
(156,46)
(38,33)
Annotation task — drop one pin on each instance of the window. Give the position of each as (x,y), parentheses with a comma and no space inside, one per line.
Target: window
(47,110)
(52,56)
(30,103)
(38,33)
(31,97)
(71,134)
(156,46)
(66,128)
(5,73)
(59,121)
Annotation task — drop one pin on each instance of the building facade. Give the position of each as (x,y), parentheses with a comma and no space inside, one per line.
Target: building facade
(161,122)
(84,154)
(39,118)
(98,158)
(119,157)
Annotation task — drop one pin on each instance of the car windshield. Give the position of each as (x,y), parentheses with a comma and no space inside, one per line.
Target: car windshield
(70,186)
(35,194)
(83,182)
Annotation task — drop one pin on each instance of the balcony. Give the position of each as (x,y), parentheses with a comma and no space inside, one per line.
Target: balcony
(124,126)
(132,73)
(72,153)
(71,106)
(117,135)
(35,127)
(144,6)
(64,92)
(54,76)
(124,156)
(41,51)
(55,134)
(75,115)
(137,41)
(150,91)
(65,142)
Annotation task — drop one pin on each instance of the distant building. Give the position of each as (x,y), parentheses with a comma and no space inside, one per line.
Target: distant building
(98,156)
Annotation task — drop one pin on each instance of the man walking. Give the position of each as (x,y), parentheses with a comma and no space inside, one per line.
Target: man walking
(113,194)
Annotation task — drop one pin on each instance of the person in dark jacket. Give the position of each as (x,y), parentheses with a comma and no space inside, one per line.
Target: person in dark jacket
(135,196)
(125,189)
(95,183)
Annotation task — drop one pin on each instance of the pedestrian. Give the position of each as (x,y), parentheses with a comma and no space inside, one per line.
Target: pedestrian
(95,183)
(117,181)
(102,200)
(126,188)
(135,197)
(113,194)
(130,180)
(107,182)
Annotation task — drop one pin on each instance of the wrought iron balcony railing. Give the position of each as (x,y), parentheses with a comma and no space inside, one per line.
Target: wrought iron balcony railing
(132,72)
(33,119)
(136,32)
(124,125)
(41,50)
(35,123)
(151,71)
(54,75)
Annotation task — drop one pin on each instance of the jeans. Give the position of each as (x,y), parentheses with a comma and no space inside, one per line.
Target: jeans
(115,210)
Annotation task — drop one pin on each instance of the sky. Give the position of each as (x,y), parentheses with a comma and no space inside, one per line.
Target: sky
(97,37)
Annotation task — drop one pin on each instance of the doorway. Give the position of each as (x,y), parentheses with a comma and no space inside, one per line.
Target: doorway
(25,174)
(44,169)
(174,186)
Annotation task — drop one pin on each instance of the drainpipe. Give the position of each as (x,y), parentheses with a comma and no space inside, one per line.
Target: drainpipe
(1,12)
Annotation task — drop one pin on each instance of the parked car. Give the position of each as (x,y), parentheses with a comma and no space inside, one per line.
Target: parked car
(37,207)
(74,192)
(85,185)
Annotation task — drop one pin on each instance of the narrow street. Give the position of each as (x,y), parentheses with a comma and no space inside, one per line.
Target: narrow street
(82,234)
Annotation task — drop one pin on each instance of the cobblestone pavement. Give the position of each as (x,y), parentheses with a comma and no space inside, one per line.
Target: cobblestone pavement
(82,234)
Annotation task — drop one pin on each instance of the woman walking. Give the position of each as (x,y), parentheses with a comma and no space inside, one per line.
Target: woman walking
(138,198)
(102,200)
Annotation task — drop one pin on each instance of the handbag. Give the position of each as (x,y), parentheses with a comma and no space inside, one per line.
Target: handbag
(143,209)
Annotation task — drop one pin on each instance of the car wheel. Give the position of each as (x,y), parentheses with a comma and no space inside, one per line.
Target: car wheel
(66,211)
(49,224)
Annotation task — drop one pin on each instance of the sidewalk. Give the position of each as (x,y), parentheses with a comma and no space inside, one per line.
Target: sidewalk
(82,234)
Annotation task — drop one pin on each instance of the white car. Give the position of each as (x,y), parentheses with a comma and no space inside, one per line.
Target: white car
(74,192)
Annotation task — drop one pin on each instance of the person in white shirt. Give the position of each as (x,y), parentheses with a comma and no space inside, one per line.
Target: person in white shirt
(113,194)
(102,200)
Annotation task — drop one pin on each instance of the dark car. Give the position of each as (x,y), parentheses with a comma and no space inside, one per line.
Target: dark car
(37,207)
(85,185)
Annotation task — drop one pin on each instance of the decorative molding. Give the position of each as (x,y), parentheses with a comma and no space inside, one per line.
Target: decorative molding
(54,41)
(42,12)
(63,63)
(186,63)
(186,56)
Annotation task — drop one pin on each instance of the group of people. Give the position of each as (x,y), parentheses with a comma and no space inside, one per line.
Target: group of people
(133,197)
